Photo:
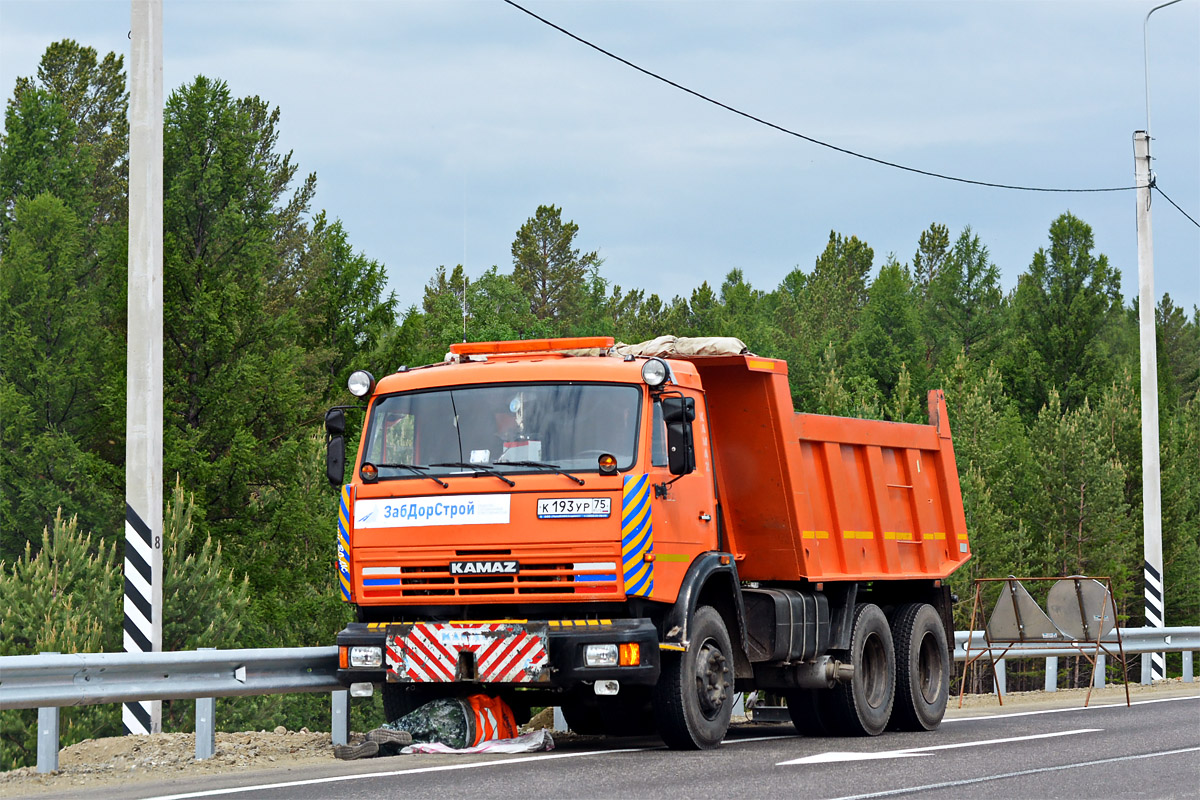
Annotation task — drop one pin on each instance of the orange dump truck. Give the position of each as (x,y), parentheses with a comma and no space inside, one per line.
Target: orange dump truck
(637,533)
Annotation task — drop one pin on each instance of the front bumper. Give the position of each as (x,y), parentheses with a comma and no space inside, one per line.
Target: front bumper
(542,654)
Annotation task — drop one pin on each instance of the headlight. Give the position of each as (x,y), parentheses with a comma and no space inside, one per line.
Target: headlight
(367,657)
(654,372)
(600,655)
(361,383)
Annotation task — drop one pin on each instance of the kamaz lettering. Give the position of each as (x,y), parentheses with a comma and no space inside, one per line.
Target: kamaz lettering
(484,567)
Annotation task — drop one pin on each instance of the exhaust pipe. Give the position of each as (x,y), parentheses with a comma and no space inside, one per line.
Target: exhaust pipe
(822,673)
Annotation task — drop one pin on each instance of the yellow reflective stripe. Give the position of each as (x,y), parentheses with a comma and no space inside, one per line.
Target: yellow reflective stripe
(755,364)
(814,534)
(677,647)
(672,557)
(902,536)
(858,534)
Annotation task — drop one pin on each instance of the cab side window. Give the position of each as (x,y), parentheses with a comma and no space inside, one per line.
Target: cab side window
(658,438)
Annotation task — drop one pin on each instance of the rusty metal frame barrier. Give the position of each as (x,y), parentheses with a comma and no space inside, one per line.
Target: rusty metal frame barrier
(1079,628)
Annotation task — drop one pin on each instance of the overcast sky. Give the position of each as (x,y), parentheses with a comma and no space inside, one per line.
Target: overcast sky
(436,129)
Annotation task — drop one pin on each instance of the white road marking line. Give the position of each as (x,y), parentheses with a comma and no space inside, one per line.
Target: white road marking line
(763,738)
(1073,708)
(415,771)
(908,752)
(967,781)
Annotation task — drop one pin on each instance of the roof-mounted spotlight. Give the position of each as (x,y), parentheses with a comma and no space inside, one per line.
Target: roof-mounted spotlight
(361,383)
(655,372)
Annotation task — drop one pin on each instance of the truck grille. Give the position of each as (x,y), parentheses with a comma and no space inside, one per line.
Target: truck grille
(580,575)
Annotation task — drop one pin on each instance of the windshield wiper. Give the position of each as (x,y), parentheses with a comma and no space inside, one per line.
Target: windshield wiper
(544,465)
(417,469)
(481,468)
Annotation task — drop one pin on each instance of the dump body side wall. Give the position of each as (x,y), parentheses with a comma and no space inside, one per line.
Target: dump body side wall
(821,498)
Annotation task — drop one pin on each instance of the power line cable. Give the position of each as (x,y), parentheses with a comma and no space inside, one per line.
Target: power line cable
(1172,202)
(798,135)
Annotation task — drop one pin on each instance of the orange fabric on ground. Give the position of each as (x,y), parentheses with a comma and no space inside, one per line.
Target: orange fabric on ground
(493,718)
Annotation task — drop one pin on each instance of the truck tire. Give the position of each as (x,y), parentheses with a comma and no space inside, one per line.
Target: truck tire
(922,668)
(583,718)
(694,696)
(630,715)
(399,699)
(804,707)
(863,706)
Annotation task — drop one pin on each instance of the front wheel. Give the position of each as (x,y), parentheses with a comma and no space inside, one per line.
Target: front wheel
(694,696)
(400,699)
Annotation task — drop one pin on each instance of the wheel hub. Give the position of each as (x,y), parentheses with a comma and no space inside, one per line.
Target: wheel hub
(712,683)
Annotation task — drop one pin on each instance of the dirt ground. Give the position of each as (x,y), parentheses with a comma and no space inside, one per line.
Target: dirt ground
(127,759)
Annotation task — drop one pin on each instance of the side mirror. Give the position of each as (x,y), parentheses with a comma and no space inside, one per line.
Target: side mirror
(335,460)
(335,448)
(678,413)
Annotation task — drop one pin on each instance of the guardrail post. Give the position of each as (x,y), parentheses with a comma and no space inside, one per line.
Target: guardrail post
(1098,675)
(206,727)
(47,741)
(1146,679)
(1001,680)
(1051,673)
(340,729)
(47,744)
(206,724)
(1187,666)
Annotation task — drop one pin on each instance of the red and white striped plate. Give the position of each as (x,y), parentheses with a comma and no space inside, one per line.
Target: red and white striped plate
(504,652)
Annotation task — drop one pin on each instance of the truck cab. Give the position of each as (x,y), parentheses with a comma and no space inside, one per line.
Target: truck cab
(562,523)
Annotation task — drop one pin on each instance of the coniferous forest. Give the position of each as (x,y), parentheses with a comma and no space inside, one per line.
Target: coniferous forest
(269,307)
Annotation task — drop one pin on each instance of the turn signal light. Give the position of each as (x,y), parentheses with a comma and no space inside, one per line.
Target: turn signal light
(608,464)
(631,655)
(369,472)
(344,657)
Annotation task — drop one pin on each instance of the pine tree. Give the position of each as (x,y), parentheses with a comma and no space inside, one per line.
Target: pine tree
(65,597)
(1063,309)
(548,267)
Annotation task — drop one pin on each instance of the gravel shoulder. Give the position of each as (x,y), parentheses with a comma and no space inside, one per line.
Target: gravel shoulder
(122,764)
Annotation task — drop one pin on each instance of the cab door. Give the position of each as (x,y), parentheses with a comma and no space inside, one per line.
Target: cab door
(683,507)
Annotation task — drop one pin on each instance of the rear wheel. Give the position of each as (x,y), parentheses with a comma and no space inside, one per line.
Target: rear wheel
(922,668)
(862,706)
(804,707)
(694,696)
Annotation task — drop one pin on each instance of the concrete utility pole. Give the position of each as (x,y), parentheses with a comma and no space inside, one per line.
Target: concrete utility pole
(144,376)
(1151,496)
(1151,479)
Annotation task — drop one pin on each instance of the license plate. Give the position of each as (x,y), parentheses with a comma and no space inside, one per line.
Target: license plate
(558,507)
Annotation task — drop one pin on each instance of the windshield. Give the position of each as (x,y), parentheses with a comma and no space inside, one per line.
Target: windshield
(562,425)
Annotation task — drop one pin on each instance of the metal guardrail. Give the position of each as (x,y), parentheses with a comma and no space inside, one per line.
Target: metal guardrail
(1134,640)
(85,679)
(52,680)
(1185,640)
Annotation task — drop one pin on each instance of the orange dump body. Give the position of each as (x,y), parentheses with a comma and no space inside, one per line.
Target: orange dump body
(807,496)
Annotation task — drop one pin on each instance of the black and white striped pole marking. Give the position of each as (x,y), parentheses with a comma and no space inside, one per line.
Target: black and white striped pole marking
(144,365)
(1154,617)
(141,554)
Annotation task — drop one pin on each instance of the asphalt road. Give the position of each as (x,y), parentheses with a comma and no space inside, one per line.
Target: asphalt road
(1151,750)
